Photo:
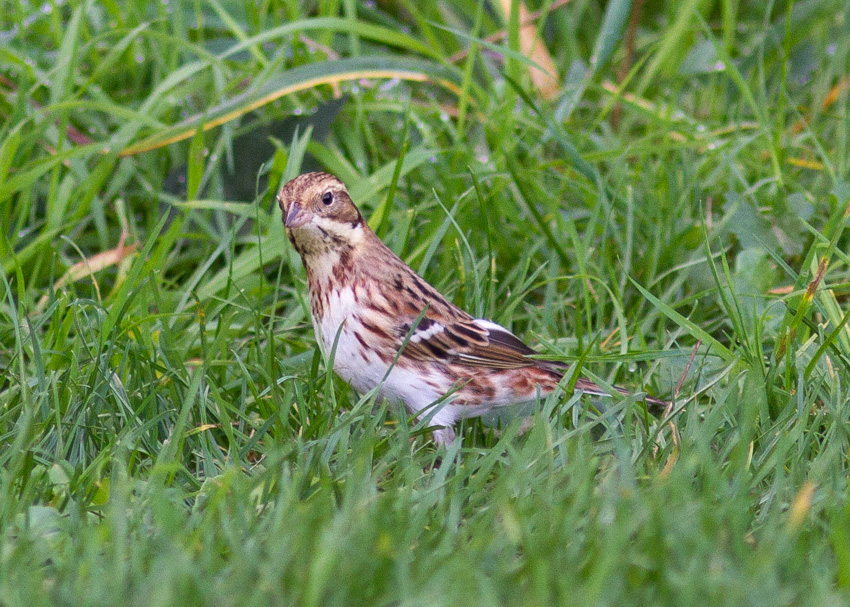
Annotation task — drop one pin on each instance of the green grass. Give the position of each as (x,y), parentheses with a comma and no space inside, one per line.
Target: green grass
(169,434)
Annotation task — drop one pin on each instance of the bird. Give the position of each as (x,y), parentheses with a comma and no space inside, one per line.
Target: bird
(386,327)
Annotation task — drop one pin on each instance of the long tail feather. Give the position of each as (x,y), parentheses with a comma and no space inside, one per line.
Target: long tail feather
(656,405)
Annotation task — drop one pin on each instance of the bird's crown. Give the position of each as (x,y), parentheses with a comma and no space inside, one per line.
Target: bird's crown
(313,200)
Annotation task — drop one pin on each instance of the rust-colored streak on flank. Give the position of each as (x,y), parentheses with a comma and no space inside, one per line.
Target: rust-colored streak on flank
(483,389)
(378,306)
(360,339)
(369,326)
(522,383)
(549,377)
(363,345)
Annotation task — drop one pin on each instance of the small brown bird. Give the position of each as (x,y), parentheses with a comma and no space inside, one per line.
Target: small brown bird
(365,302)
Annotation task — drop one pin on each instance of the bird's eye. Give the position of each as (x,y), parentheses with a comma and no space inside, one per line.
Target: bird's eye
(327,197)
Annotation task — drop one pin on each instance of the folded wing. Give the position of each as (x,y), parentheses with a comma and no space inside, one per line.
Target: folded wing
(471,341)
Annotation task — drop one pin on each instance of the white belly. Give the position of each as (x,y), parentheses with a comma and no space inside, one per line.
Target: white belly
(363,368)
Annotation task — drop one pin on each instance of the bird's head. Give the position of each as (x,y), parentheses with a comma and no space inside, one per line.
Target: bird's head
(318,213)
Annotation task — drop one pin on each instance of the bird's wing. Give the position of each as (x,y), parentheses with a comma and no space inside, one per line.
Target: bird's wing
(471,341)
(481,343)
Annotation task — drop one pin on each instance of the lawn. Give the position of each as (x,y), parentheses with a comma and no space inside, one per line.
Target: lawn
(656,191)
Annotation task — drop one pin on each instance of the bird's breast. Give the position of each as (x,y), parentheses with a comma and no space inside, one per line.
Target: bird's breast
(338,306)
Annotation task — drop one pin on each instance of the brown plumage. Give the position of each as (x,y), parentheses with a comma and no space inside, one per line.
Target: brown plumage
(365,303)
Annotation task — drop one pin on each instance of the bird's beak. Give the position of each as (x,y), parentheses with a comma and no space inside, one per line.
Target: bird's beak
(296,217)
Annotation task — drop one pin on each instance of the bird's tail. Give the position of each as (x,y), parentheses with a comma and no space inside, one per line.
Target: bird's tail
(655,405)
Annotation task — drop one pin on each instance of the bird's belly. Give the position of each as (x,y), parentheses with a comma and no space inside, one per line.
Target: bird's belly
(359,366)
(365,368)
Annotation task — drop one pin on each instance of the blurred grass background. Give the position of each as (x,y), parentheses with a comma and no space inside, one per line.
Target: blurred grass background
(656,190)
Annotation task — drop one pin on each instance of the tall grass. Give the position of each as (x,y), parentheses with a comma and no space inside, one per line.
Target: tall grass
(672,218)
